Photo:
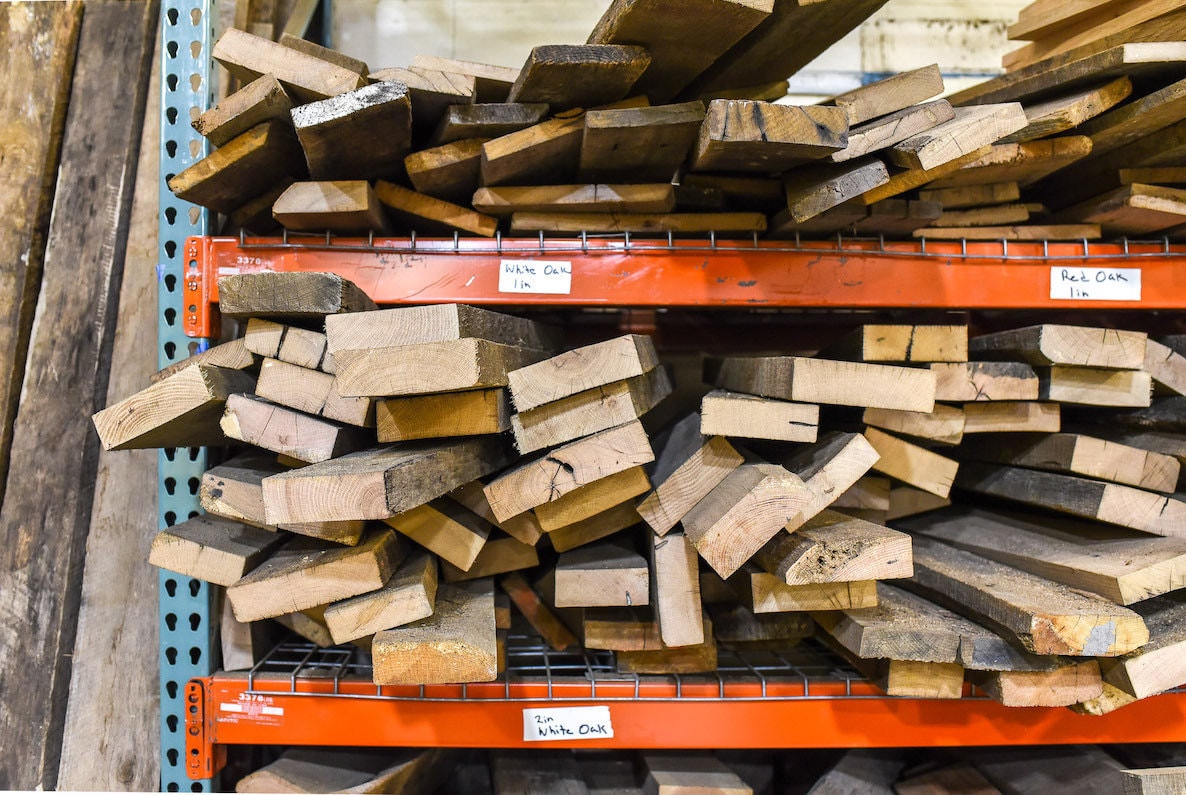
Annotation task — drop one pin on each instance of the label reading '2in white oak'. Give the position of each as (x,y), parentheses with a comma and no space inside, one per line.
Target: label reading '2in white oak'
(548,277)
(567,723)
(1069,283)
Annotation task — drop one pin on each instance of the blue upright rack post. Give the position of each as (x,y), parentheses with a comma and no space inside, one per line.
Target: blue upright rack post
(187,618)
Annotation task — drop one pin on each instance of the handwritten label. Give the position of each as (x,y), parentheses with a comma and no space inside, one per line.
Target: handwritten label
(535,276)
(567,723)
(1095,284)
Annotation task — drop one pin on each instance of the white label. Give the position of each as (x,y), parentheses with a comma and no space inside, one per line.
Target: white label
(535,276)
(1095,284)
(567,723)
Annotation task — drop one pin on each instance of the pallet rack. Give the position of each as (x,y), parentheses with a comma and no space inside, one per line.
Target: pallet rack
(300,695)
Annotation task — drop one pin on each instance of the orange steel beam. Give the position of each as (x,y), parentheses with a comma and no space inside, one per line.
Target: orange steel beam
(650,273)
(830,718)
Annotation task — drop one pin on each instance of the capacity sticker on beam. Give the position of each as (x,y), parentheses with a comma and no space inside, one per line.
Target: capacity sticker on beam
(535,276)
(1069,283)
(567,723)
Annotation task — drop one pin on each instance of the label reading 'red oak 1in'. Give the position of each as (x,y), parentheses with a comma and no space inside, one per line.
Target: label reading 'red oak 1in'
(567,723)
(1069,283)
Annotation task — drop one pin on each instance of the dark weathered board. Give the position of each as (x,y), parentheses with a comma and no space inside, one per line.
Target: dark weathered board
(46,511)
(35,91)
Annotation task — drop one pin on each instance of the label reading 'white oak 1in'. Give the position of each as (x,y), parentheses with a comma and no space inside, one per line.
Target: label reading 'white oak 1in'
(535,276)
(567,723)
(1069,283)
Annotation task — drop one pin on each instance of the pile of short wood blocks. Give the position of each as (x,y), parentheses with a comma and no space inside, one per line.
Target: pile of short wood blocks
(649,129)
(762,515)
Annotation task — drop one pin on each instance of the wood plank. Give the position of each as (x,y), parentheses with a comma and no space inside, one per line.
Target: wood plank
(473,413)
(869,493)
(735,626)
(789,39)
(687,469)
(1083,768)
(486,120)
(178,411)
(1063,687)
(545,153)
(1165,414)
(582,369)
(602,575)
(883,97)
(813,190)
(1164,442)
(258,101)
(305,573)
(916,178)
(255,217)
(446,528)
(599,198)
(242,169)
(764,138)
(232,355)
(1167,175)
(1024,163)
(761,194)
(524,527)
(301,44)
(831,382)
(1067,112)
(1078,454)
(675,773)
(1142,116)
(532,607)
(1116,565)
(427,215)
(212,549)
(567,468)
(1075,346)
(1133,209)
(312,392)
(565,76)
(1001,215)
(306,770)
(675,590)
(307,77)
(380,482)
(342,206)
(912,464)
(1046,617)
(684,39)
(1157,666)
(1154,781)
(878,134)
(431,91)
(291,344)
(765,593)
(701,658)
(985,381)
(873,770)
(1036,232)
(1041,18)
(1095,387)
(457,643)
(971,129)
(640,223)
(832,547)
(725,413)
(973,195)
(752,504)
(902,342)
(1126,506)
(491,83)
(234,490)
(407,596)
(831,466)
(451,171)
(1060,74)
(64,361)
(590,411)
(289,296)
(620,629)
(437,323)
(960,777)
(897,217)
(639,144)
(944,425)
(291,433)
(595,528)
(536,773)
(592,499)
(909,501)
(429,367)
